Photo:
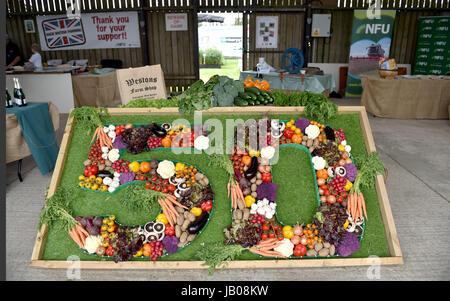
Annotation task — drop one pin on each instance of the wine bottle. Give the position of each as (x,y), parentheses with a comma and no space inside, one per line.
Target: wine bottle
(9,103)
(19,95)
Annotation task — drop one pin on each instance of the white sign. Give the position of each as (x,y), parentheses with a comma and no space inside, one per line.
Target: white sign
(321,24)
(267,32)
(91,31)
(176,22)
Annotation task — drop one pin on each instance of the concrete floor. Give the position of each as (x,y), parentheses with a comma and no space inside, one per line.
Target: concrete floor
(416,153)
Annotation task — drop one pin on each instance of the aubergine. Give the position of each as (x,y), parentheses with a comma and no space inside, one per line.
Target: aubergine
(105,174)
(253,169)
(158,131)
(198,223)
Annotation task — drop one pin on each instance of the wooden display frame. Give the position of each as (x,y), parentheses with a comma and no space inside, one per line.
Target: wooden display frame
(385,208)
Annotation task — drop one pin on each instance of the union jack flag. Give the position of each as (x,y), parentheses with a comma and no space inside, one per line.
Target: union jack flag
(63,32)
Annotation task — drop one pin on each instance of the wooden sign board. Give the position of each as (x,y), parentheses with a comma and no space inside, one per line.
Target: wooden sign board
(143,82)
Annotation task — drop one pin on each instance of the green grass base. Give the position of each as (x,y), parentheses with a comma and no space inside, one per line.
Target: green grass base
(296,202)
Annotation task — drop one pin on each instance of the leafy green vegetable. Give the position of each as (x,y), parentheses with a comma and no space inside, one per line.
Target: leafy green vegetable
(225,91)
(151,103)
(58,208)
(196,98)
(369,166)
(217,255)
(89,118)
(223,162)
(136,197)
(291,99)
(319,108)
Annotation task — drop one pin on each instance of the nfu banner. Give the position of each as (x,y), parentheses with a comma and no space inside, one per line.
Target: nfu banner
(91,31)
(371,41)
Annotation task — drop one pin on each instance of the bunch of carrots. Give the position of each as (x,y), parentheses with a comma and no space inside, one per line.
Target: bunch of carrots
(356,205)
(168,207)
(79,235)
(104,139)
(266,248)
(236,193)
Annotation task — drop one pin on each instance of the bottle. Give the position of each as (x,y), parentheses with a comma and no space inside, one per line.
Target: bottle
(19,96)
(9,103)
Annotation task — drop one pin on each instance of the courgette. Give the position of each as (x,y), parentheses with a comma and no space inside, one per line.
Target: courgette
(253,90)
(240,102)
(244,95)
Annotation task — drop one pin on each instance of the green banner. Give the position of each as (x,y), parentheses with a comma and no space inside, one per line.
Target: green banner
(371,41)
(433,46)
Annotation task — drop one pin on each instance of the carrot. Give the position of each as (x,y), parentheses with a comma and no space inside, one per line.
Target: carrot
(165,211)
(95,134)
(363,204)
(239,190)
(170,207)
(76,238)
(228,188)
(177,203)
(81,229)
(262,253)
(233,197)
(353,206)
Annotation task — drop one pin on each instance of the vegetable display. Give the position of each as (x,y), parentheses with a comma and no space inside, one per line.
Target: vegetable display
(183,195)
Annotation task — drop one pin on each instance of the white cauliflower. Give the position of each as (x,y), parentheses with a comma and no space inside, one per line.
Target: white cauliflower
(312,131)
(286,247)
(318,162)
(166,169)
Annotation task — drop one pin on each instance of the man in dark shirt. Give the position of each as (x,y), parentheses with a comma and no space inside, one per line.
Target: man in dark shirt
(12,54)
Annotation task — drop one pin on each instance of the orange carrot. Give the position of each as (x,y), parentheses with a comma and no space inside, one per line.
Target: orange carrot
(173,200)
(363,204)
(228,188)
(170,207)
(76,238)
(95,134)
(81,229)
(239,191)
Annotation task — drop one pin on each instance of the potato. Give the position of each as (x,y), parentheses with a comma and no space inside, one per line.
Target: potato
(332,250)
(101,167)
(258,182)
(246,191)
(241,204)
(311,252)
(199,176)
(87,162)
(190,237)
(309,143)
(246,214)
(178,231)
(239,214)
(318,246)
(253,187)
(191,216)
(254,194)
(253,180)
(324,252)
(179,209)
(108,163)
(326,245)
(180,219)
(185,224)
(258,175)
(183,237)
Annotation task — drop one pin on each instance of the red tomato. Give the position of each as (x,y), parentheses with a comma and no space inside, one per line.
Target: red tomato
(264,236)
(265,227)
(141,178)
(110,251)
(170,230)
(271,235)
(299,250)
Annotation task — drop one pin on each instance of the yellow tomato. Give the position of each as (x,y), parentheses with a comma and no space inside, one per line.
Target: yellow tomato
(288,124)
(82,184)
(138,253)
(105,234)
(105,244)
(81,178)
(292,121)
(341,147)
(110,229)
(94,187)
(105,220)
(249,200)
(99,180)
(88,185)
(298,131)
(103,188)
(348,185)
(162,218)
(196,211)
(134,166)
(179,166)
(92,178)
(288,232)
(112,217)
(86,179)
(104,227)
(346,224)
(110,223)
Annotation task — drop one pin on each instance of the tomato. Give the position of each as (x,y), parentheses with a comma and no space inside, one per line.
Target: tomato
(265,227)
(280,237)
(272,235)
(326,192)
(158,188)
(299,250)
(152,187)
(148,185)
(144,166)
(206,206)
(141,178)
(172,187)
(110,251)
(266,177)
(264,236)
(165,190)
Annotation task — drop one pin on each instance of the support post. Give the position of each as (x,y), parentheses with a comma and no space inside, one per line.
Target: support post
(308,30)
(195,47)
(143,31)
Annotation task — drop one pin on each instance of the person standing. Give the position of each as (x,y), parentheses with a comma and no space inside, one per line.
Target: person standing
(35,58)
(13,57)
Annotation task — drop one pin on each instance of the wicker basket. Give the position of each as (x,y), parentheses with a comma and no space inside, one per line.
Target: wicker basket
(387,74)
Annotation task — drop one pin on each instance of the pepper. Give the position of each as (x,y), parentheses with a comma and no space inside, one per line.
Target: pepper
(348,185)
(249,200)
(266,177)
(206,206)
(170,230)
(162,218)
(196,211)
(288,232)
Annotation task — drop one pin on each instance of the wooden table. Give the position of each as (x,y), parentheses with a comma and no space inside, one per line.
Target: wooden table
(97,90)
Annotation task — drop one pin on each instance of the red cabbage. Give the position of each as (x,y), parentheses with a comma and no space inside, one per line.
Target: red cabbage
(350,172)
(118,143)
(302,123)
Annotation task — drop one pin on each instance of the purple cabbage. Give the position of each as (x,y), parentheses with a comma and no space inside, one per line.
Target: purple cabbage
(118,143)
(126,177)
(350,172)
(170,243)
(302,123)
(349,246)
(267,190)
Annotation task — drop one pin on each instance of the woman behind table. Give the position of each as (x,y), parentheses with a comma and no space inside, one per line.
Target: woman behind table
(35,58)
